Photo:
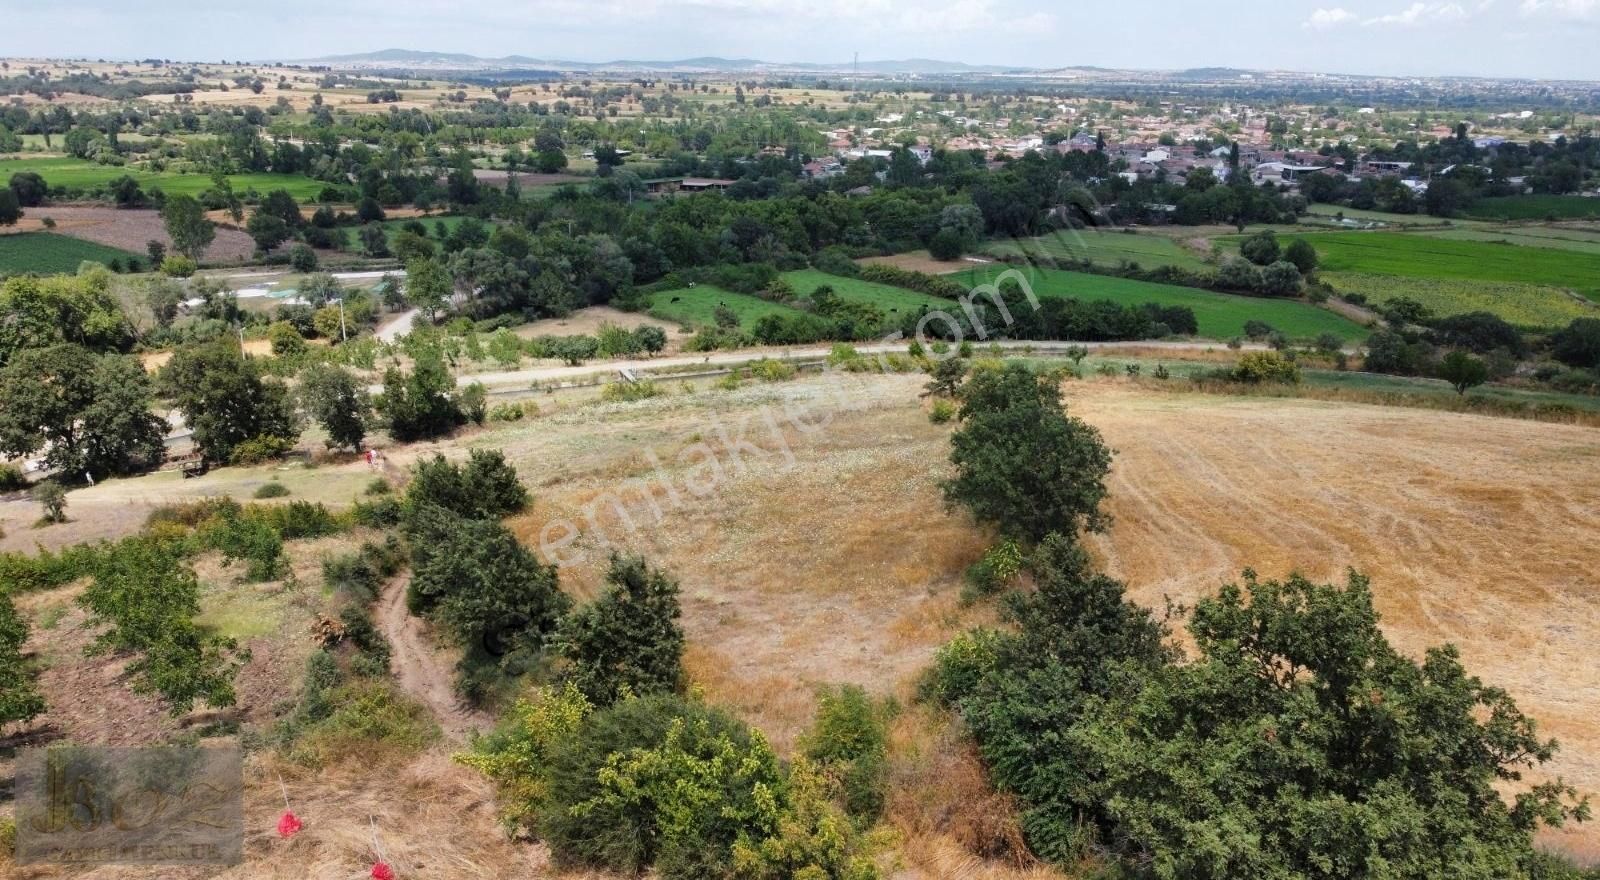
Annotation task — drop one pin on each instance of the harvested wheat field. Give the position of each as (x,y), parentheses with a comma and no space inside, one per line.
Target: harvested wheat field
(1475,530)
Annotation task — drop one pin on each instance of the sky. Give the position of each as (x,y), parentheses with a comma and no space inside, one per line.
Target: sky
(1554,39)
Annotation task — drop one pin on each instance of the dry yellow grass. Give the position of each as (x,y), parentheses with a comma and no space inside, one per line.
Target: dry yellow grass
(1475,530)
(841,565)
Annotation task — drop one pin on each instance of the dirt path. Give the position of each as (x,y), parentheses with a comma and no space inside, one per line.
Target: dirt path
(421,669)
(399,327)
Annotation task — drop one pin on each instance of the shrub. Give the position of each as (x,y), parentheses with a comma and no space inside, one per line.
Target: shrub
(368,719)
(933,285)
(486,487)
(628,392)
(1256,367)
(995,570)
(941,412)
(52,501)
(507,412)
(380,514)
(378,486)
(772,370)
(257,450)
(850,741)
(177,266)
(12,478)
(361,574)
(627,641)
(682,783)
(271,490)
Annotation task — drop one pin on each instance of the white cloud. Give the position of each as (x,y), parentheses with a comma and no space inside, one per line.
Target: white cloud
(1322,19)
(1422,13)
(1573,10)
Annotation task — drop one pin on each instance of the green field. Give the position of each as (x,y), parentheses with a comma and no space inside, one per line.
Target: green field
(1525,305)
(77,173)
(1420,256)
(1220,315)
(893,300)
(1535,208)
(698,304)
(47,252)
(1333,211)
(1580,240)
(1102,248)
(393,227)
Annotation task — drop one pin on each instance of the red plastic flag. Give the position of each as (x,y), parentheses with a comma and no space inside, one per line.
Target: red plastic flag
(289,824)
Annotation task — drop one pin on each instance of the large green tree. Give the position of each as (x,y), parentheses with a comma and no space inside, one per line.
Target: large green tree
(420,404)
(1022,464)
(40,312)
(91,413)
(1297,744)
(493,596)
(226,399)
(338,401)
(628,640)
(191,231)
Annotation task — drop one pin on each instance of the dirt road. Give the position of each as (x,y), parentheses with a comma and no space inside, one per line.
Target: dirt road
(810,353)
(422,670)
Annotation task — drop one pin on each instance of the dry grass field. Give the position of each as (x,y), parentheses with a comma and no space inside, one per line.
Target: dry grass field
(813,548)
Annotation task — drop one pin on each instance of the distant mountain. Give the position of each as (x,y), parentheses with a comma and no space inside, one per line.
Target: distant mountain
(461,61)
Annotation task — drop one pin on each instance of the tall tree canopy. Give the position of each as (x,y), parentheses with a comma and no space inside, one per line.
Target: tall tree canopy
(91,413)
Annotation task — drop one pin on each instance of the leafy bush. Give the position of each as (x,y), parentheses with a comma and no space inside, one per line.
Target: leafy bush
(11,478)
(486,487)
(369,719)
(996,570)
(380,514)
(271,490)
(260,449)
(941,412)
(488,591)
(933,285)
(627,392)
(146,598)
(682,783)
(20,699)
(177,266)
(850,742)
(772,370)
(628,640)
(360,575)
(1256,367)
(507,412)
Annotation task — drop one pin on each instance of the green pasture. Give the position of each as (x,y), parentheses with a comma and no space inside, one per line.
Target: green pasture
(1220,315)
(1103,248)
(79,174)
(1535,208)
(1426,256)
(893,300)
(50,252)
(697,305)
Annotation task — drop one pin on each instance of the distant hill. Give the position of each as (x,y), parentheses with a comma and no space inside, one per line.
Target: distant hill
(456,60)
